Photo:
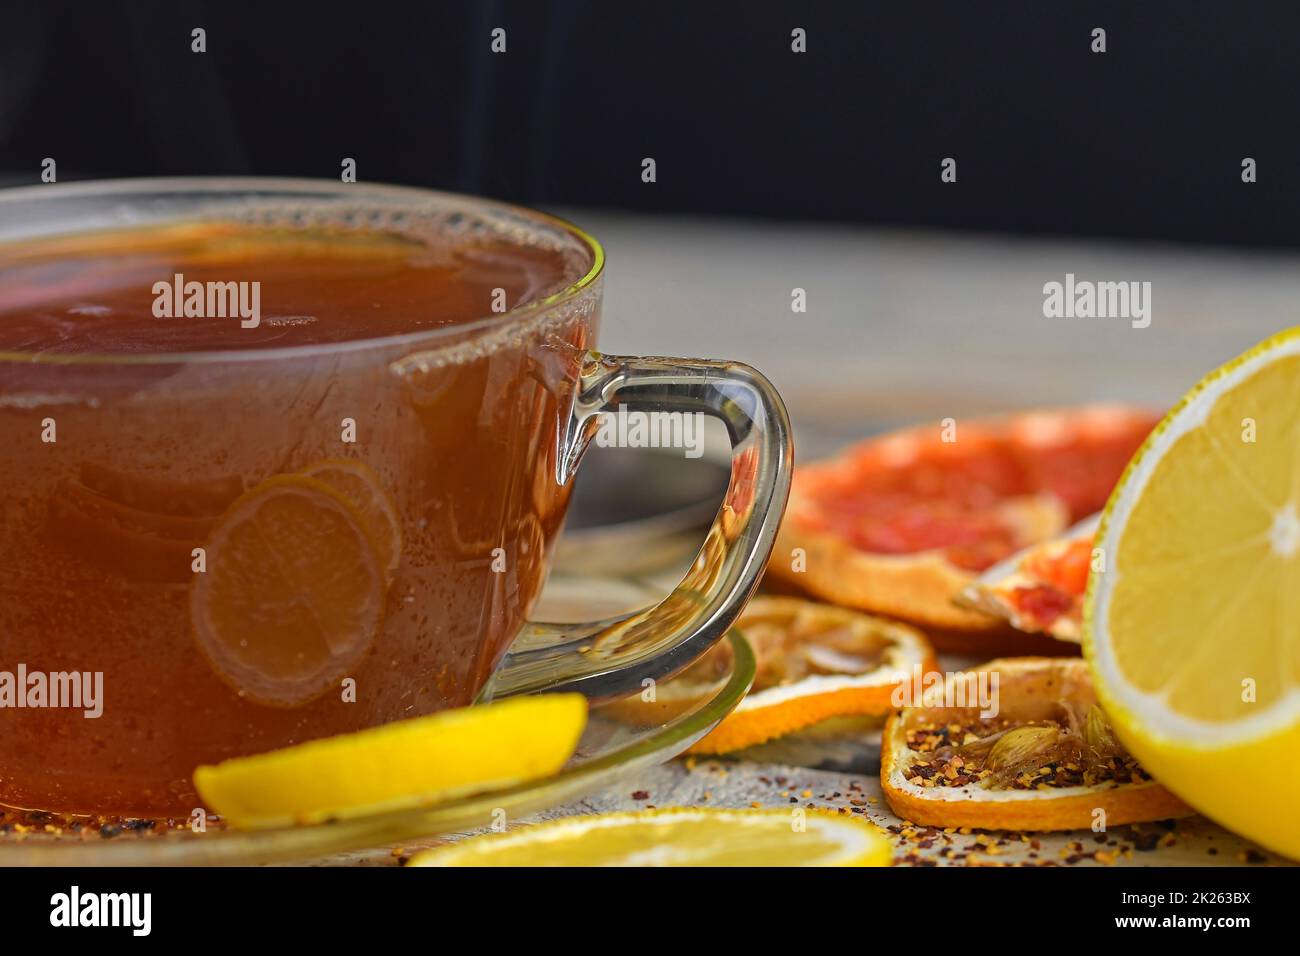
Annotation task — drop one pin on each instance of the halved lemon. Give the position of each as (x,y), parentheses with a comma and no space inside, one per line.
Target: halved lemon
(420,761)
(1046,760)
(361,486)
(1193,630)
(686,837)
(293,591)
(815,662)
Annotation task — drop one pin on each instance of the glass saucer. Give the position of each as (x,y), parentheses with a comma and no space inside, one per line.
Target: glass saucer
(621,738)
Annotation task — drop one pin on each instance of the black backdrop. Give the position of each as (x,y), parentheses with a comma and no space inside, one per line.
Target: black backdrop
(1144,140)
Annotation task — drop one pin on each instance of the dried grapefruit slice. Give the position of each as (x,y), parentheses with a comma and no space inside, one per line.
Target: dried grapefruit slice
(1193,632)
(693,836)
(414,762)
(1046,761)
(293,591)
(899,524)
(815,662)
(361,486)
(1040,590)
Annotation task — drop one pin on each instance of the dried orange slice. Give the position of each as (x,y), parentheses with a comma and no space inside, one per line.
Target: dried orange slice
(814,662)
(899,524)
(293,591)
(1048,759)
(361,486)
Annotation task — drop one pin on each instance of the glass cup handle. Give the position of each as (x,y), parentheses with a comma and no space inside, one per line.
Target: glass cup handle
(616,657)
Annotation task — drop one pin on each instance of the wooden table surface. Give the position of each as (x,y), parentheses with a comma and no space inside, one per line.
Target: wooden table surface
(906,326)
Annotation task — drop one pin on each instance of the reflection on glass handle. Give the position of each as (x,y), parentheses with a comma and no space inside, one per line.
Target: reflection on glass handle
(615,657)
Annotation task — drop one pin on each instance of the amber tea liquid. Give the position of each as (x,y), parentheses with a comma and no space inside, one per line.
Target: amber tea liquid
(261,530)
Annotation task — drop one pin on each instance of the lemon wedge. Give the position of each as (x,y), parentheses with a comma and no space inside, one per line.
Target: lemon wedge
(1193,629)
(677,837)
(414,762)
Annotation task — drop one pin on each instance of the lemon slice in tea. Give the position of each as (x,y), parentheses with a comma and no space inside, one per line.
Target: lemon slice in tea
(292,594)
(362,488)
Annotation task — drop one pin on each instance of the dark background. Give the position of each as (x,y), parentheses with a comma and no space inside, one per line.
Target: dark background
(1145,140)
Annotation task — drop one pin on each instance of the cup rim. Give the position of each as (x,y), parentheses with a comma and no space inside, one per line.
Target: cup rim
(132,186)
